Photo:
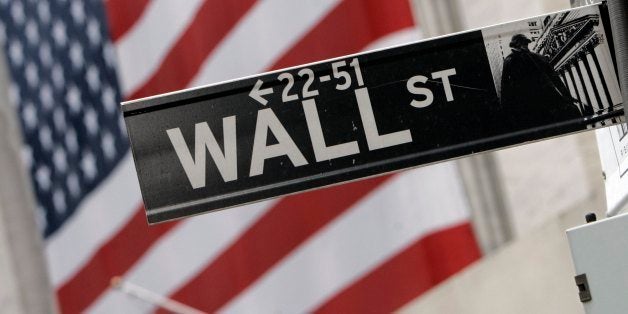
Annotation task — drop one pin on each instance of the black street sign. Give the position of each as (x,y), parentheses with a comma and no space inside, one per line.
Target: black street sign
(287,131)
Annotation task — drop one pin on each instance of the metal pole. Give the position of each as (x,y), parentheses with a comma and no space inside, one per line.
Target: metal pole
(618,13)
(153,298)
(24,283)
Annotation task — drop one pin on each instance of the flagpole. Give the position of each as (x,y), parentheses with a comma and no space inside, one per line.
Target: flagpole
(24,283)
(618,10)
(151,297)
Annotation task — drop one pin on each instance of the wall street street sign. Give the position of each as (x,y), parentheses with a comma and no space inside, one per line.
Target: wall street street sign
(306,127)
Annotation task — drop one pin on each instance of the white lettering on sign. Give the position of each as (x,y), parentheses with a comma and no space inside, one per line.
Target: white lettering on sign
(258,92)
(444,75)
(204,140)
(285,95)
(338,74)
(429,96)
(310,79)
(373,138)
(321,150)
(288,94)
(412,88)
(267,121)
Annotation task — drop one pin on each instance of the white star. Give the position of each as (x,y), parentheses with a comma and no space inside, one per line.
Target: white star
(32,75)
(59,33)
(90,119)
(71,141)
(17,12)
(73,98)
(74,186)
(45,54)
(60,159)
(108,98)
(108,145)
(16,54)
(93,32)
(42,177)
(93,78)
(32,32)
(109,54)
(58,200)
(43,9)
(29,115)
(76,55)
(58,117)
(45,96)
(88,166)
(78,12)
(58,78)
(45,137)
(27,156)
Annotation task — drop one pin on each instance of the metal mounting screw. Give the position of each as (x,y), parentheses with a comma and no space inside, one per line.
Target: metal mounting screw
(590,217)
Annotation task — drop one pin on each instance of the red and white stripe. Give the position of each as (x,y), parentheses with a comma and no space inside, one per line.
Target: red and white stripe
(142,49)
(358,241)
(334,249)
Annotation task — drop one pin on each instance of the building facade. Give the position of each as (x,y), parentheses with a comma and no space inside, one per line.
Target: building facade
(572,43)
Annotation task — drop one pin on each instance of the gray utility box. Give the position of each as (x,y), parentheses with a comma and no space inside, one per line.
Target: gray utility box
(600,255)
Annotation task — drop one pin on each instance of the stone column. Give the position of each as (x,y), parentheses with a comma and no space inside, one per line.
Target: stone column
(579,88)
(604,56)
(599,84)
(586,78)
(572,89)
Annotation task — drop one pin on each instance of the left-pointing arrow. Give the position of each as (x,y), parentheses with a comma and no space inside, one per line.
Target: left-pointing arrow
(257,92)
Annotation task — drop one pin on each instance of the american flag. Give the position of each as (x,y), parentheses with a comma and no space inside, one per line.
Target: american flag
(373,245)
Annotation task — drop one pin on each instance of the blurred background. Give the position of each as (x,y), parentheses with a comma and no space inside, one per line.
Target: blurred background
(482,234)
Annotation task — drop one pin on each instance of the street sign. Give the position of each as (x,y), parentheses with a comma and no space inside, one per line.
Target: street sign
(324,123)
(613,141)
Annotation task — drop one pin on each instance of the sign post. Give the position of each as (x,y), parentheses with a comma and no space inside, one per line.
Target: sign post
(613,141)
(334,121)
